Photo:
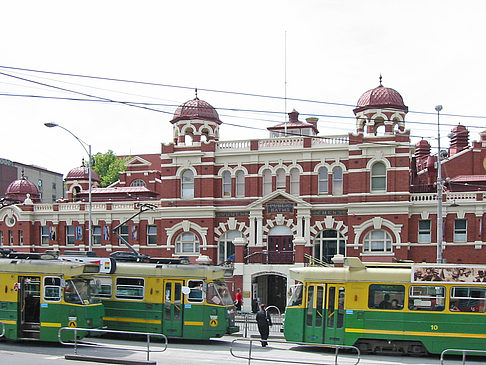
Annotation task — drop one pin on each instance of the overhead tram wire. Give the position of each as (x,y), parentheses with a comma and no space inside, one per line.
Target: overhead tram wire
(219,91)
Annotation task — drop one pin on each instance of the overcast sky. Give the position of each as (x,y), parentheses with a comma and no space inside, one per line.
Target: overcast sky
(431,52)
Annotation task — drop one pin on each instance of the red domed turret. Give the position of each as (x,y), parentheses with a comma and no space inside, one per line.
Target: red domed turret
(82,173)
(22,189)
(196,109)
(379,98)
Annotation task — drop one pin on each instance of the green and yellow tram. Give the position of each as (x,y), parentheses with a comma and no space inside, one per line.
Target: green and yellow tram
(180,301)
(38,297)
(404,308)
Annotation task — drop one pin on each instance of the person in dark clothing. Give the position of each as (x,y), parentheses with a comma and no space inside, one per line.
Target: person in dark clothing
(264,322)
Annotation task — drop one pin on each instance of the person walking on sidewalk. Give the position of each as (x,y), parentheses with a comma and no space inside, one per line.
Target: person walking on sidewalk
(239,299)
(264,322)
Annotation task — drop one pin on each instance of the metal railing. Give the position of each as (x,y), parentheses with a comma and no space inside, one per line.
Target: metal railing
(250,357)
(247,323)
(76,342)
(462,351)
(270,257)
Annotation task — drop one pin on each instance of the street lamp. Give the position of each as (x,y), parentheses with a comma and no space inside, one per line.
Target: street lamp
(88,151)
(438,108)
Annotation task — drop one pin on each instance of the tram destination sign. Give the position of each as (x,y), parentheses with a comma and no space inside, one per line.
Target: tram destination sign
(448,273)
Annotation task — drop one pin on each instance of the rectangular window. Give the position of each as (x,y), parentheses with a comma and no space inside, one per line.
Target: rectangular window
(227,184)
(97,235)
(196,293)
(54,186)
(460,230)
(386,296)
(129,288)
(10,237)
(426,298)
(21,237)
(44,233)
(1,238)
(151,234)
(468,299)
(424,235)
(53,198)
(52,289)
(104,287)
(240,184)
(69,235)
(124,233)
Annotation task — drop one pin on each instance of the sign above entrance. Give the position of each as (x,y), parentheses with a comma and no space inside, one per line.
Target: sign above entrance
(279,206)
(329,212)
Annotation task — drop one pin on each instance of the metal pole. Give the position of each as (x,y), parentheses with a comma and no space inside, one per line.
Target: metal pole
(90,231)
(438,108)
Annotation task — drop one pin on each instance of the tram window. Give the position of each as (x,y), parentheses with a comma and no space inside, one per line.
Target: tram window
(129,288)
(386,296)
(296,298)
(426,298)
(319,302)
(468,299)
(196,293)
(103,287)
(310,304)
(52,289)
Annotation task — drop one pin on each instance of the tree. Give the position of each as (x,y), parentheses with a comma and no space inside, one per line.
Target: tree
(108,166)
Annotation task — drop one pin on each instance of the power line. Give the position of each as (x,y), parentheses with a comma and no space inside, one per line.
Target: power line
(221,91)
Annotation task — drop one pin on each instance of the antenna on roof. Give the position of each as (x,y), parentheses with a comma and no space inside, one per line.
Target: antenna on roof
(381,77)
(285,82)
(196,91)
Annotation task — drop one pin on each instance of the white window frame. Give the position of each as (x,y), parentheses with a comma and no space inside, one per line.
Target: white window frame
(226,184)
(70,235)
(295,181)
(323,180)
(44,235)
(138,182)
(240,184)
(182,241)
(369,241)
(460,234)
(151,235)
(267,182)
(97,236)
(378,178)
(187,184)
(320,241)
(424,234)
(281,178)
(337,181)
(226,246)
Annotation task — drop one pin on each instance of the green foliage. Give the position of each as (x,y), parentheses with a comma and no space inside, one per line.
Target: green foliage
(108,166)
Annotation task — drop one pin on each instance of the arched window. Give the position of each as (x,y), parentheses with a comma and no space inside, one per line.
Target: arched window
(327,244)
(323,181)
(226,184)
(378,177)
(267,182)
(138,182)
(294,181)
(337,181)
(187,184)
(187,243)
(377,240)
(240,184)
(281,179)
(226,248)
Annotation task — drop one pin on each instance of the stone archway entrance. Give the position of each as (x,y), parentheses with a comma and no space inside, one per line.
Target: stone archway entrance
(270,289)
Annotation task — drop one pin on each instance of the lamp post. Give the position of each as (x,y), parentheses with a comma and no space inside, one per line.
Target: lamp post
(438,108)
(88,151)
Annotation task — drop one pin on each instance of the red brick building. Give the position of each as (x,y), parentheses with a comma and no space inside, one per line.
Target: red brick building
(269,204)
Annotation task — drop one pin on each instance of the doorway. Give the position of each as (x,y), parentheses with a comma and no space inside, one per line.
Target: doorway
(270,289)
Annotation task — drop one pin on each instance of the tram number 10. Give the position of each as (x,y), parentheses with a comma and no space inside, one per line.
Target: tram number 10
(434,327)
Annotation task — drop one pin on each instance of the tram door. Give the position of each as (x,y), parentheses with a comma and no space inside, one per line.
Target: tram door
(334,331)
(29,306)
(314,314)
(172,322)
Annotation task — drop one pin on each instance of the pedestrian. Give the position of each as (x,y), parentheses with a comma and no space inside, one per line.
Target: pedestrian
(264,322)
(238,300)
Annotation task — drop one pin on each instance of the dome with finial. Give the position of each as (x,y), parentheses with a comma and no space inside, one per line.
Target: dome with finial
(379,98)
(82,173)
(196,109)
(21,189)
